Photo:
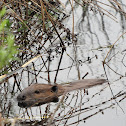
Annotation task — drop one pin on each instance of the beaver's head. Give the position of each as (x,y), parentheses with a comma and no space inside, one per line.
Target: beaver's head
(38,94)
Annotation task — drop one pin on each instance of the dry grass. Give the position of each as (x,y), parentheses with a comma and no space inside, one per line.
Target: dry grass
(39,30)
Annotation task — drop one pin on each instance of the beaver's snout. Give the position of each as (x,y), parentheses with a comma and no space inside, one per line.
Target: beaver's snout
(21,97)
(22,104)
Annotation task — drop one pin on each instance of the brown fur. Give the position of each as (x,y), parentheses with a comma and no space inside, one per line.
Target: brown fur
(38,94)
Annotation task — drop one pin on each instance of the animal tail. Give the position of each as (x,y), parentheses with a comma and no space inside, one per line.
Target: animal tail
(83,84)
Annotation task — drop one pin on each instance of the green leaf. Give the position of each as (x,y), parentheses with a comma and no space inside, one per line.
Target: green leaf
(3,24)
(7,48)
(2,12)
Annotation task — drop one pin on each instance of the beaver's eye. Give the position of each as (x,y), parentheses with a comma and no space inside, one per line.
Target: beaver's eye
(37,91)
(54,89)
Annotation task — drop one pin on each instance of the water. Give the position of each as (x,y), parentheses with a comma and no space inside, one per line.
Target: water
(95,36)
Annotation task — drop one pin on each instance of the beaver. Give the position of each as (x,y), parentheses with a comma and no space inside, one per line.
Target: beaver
(39,94)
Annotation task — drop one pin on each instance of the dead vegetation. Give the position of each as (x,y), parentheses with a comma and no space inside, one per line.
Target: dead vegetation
(44,42)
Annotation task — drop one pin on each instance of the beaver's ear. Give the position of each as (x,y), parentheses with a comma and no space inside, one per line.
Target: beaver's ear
(54,88)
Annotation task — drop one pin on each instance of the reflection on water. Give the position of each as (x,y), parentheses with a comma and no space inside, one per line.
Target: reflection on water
(101,105)
(76,104)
